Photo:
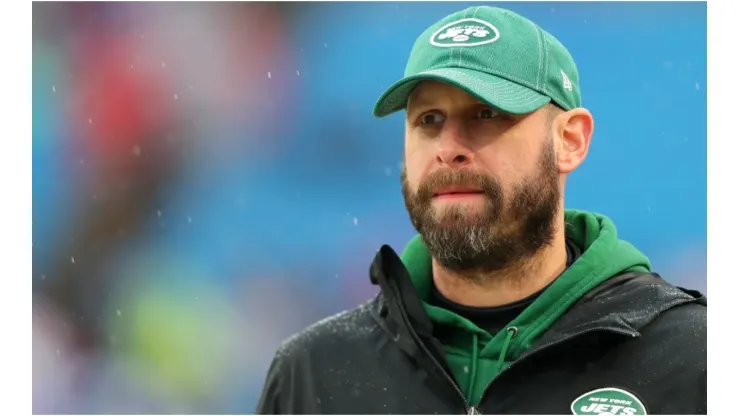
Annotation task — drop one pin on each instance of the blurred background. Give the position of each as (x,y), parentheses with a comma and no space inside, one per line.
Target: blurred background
(208,178)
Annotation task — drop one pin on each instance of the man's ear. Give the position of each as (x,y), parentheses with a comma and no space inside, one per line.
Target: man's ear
(573,130)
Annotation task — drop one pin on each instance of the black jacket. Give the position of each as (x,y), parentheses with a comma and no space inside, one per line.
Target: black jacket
(634,332)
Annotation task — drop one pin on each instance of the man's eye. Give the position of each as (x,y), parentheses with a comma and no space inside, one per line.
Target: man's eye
(485,113)
(430,118)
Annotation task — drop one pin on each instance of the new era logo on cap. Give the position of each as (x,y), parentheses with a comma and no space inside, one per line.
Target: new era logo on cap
(566,81)
(465,32)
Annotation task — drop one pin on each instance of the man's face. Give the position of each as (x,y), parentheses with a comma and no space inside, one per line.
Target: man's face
(482,188)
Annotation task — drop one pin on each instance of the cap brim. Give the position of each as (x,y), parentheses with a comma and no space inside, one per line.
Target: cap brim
(498,92)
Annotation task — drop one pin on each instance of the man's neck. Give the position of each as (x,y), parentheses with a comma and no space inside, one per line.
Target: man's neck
(507,286)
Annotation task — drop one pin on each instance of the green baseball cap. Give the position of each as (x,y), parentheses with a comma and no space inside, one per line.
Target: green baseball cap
(494,54)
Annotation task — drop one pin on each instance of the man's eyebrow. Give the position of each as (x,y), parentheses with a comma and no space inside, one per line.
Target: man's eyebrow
(420,102)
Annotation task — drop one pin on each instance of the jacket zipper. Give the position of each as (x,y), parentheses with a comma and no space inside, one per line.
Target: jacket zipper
(470,410)
(474,411)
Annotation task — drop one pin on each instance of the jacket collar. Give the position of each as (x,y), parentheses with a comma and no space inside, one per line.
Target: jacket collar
(623,304)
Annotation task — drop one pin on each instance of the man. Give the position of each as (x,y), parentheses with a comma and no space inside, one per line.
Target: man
(505,302)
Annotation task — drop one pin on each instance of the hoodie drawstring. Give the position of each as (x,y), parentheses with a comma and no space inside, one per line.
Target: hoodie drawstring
(473,366)
(511,333)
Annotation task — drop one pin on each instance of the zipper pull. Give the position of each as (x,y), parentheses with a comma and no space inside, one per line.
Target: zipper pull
(473,411)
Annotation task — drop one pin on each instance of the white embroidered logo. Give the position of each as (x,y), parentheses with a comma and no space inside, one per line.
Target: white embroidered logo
(566,81)
(463,33)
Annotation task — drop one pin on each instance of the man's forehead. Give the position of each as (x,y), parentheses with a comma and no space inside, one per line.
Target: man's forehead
(431,93)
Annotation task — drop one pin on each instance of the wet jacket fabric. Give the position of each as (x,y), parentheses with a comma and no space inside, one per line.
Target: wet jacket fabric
(609,336)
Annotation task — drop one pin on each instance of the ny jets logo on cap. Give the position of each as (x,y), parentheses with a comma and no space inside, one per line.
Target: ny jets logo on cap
(607,402)
(464,32)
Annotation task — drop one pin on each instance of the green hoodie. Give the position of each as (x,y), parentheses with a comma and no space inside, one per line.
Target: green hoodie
(476,356)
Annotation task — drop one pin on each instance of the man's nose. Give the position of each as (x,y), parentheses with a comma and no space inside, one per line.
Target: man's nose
(453,149)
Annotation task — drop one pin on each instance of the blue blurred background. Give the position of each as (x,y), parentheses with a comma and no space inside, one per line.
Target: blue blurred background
(208,178)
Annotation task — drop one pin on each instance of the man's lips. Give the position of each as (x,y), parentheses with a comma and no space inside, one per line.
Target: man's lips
(457,191)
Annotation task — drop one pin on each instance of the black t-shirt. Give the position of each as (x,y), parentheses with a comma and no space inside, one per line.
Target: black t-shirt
(494,319)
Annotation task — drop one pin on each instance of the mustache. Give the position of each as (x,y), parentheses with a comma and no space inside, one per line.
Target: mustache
(446,178)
